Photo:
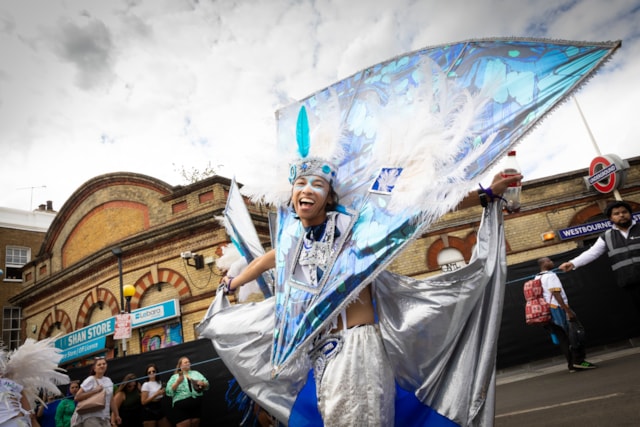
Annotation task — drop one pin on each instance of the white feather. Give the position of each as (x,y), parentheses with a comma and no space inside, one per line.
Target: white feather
(34,365)
(422,129)
(229,255)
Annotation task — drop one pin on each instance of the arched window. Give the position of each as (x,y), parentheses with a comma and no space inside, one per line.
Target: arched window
(450,259)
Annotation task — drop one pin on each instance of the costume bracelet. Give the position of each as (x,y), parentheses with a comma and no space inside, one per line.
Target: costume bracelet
(488,192)
(227,286)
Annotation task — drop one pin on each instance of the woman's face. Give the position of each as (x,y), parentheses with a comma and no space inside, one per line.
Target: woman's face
(73,388)
(185,364)
(100,366)
(151,373)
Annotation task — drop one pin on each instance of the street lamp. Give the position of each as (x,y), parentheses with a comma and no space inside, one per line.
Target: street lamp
(117,251)
(128,291)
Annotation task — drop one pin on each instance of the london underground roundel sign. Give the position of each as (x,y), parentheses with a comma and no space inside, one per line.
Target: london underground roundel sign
(607,173)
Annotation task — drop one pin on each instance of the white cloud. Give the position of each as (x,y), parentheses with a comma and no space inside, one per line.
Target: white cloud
(93,87)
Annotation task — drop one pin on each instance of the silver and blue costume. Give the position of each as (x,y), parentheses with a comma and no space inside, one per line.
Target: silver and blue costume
(413,136)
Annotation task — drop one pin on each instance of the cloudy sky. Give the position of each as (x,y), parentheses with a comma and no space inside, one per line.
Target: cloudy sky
(156,87)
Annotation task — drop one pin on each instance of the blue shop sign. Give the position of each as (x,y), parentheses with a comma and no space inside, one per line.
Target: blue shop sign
(155,313)
(590,228)
(92,338)
(82,350)
(86,334)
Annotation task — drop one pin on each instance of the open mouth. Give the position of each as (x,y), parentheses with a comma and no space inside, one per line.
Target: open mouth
(306,202)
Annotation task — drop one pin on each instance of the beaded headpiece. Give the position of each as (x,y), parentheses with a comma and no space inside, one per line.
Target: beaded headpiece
(313,166)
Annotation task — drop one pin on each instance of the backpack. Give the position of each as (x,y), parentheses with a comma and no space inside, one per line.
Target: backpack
(536,310)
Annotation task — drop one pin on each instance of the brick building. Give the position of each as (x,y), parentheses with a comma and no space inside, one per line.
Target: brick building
(72,287)
(21,234)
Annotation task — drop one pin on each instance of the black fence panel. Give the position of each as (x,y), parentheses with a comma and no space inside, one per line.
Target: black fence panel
(603,308)
(606,313)
(203,359)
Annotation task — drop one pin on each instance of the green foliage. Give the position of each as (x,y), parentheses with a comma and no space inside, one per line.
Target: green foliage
(194,174)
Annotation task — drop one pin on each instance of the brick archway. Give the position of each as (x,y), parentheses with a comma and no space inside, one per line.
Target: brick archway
(165,276)
(49,327)
(465,246)
(89,304)
(585,214)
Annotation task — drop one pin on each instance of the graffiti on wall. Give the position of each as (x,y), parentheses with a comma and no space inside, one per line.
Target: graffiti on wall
(160,336)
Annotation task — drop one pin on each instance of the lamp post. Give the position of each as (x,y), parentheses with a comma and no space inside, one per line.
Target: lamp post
(117,251)
(128,291)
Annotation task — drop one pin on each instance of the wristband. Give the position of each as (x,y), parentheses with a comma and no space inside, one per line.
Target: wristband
(484,201)
(227,286)
(486,196)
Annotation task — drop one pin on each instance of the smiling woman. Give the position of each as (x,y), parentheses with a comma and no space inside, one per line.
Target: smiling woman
(92,385)
(186,387)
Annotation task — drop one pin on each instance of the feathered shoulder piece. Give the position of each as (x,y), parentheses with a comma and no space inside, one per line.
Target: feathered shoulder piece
(34,365)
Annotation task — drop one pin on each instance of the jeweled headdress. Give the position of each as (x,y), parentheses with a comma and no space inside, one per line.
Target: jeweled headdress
(313,166)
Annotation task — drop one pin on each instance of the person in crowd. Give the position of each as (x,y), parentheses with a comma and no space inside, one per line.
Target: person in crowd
(152,393)
(127,402)
(34,362)
(561,314)
(67,406)
(15,410)
(185,387)
(93,384)
(622,245)
(46,413)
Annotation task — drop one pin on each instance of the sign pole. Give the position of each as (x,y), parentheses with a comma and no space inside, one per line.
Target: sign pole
(616,193)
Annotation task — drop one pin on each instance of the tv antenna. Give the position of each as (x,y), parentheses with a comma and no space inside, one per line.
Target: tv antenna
(31,188)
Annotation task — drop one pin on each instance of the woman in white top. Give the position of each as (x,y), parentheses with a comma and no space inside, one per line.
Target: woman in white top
(152,394)
(14,406)
(96,382)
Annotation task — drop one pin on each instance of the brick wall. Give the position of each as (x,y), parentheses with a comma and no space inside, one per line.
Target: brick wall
(138,215)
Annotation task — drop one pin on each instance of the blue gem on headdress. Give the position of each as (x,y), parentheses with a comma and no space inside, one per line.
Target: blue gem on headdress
(327,169)
(292,173)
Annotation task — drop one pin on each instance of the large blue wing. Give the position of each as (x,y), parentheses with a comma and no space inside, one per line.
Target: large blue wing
(520,80)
